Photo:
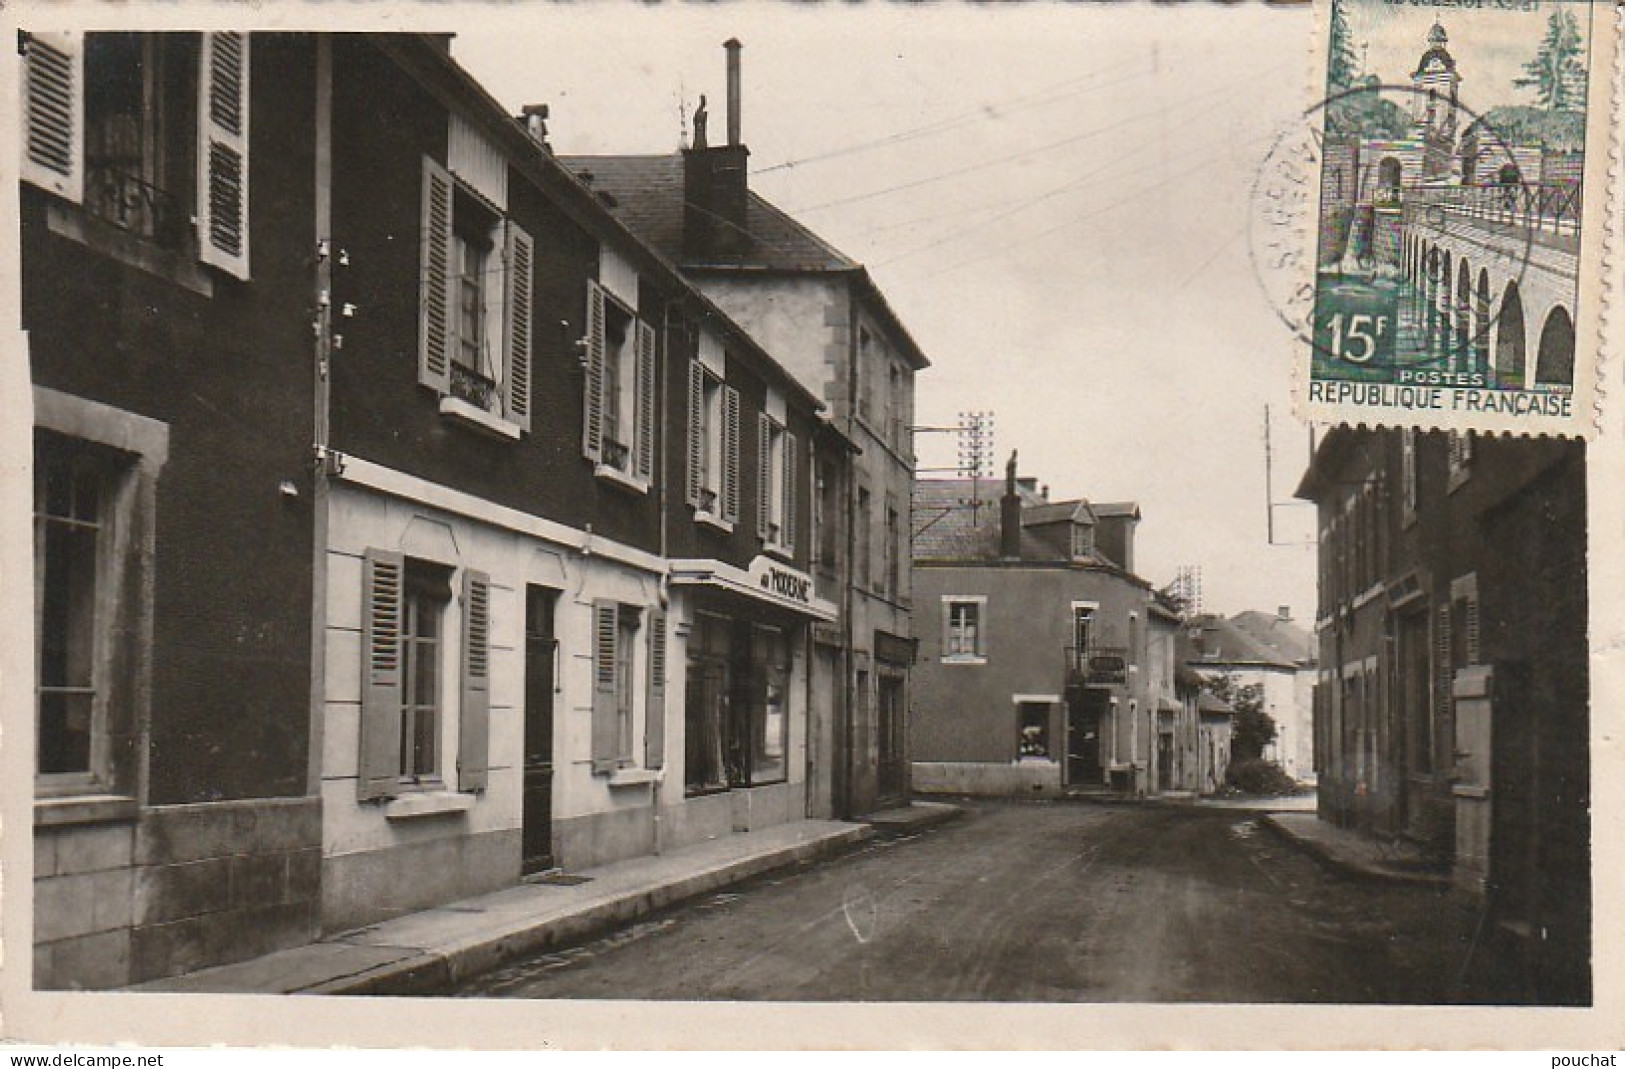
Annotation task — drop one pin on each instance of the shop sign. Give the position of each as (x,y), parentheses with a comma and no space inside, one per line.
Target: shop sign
(780,582)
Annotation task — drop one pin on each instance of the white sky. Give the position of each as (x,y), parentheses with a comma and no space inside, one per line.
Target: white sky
(1068,243)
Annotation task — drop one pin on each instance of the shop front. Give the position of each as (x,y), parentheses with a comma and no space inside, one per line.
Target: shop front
(745,638)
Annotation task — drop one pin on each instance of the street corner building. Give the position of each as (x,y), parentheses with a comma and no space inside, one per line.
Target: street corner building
(1451,705)
(1049,666)
(407,523)
(1271,652)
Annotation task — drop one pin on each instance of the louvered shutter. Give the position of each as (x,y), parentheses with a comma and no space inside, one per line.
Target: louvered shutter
(605,723)
(222,156)
(787,517)
(764,475)
(592,420)
(54,113)
(1470,625)
(379,756)
(1441,659)
(696,432)
(435,302)
(730,454)
(646,401)
(518,328)
(654,724)
(474,718)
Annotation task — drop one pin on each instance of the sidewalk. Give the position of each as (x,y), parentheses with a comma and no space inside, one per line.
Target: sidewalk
(431,951)
(1355,854)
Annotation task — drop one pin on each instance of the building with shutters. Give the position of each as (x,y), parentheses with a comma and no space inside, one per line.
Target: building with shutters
(167,218)
(405,525)
(563,540)
(823,317)
(1451,704)
(1036,675)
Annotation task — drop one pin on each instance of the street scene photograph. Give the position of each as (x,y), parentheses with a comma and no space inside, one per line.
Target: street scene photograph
(552,508)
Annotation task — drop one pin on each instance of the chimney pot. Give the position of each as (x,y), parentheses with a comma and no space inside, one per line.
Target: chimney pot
(1010,513)
(734,90)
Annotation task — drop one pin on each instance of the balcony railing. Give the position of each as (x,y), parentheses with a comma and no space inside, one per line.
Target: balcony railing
(135,205)
(1550,207)
(1097,666)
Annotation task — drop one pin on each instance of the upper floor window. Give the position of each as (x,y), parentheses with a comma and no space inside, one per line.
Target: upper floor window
(619,424)
(1461,457)
(1083,540)
(894,549)
(713,445)
(1408,488)
(476,308)
(776,484)
(963,636)
(105,127)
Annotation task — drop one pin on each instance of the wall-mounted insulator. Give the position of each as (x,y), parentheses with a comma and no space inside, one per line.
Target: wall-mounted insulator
(324,299)
(316,327)
(338,341)
(348,310)
(344,257)
(322,249)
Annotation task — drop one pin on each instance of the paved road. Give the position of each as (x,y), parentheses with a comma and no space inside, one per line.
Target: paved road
(1035,902)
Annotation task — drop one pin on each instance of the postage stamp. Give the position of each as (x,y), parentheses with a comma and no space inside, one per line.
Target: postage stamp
(1457,229)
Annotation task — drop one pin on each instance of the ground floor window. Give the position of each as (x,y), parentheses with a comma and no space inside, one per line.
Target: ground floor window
(737,704)
(1032,719)
(423,605)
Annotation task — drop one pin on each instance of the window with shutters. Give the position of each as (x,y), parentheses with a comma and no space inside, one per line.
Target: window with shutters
(713,451)
(894,555)
(1408,476)
(476,307)
(963,638)
(1461,458)
(619,425)
(426,675)
(776,460)
(147,132)
(615,635)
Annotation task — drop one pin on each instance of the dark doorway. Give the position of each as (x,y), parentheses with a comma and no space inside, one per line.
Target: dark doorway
(1084,708)
(890,772)
(541,657)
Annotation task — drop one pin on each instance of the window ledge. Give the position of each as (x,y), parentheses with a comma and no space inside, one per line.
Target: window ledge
(140,253)
(460,411)
(785,553)
(1463,790)
(964,660)
(620,478)
(711,519)
(427,804)
(83,809)
(634,777)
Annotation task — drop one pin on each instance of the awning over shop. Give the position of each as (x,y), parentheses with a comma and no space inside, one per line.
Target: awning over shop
(766,580)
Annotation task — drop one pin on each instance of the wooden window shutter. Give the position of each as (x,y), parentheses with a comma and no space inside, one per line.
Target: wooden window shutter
(1441,654)
(605,723)
(222,157)
(696,432)
(474,718)
(764,475)
(519,330)
(1470,626)
(730,454)
(787,518)
(382,591)
(646,401)
(947,628)
(54,113)
(592,420)
(654,724)
(435,303)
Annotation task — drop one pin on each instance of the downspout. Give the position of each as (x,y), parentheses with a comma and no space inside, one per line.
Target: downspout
(848,599)
(322,465)
(663,466)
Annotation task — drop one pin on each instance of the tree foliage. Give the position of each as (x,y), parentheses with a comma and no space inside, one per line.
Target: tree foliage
(1342,66)
(1556,74)
(1252,728)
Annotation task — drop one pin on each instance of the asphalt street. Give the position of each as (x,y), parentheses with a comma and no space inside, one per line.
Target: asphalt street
(1036,902)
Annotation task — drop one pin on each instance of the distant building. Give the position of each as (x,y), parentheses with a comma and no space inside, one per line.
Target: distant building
(1451,706)
(1037,673)
(1269,651)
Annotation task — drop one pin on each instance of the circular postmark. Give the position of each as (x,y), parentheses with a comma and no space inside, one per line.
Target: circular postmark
(1392,240)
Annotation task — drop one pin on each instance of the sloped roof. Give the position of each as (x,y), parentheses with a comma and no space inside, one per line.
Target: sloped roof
(1217,642)
(1283,637)
(647,193)
(958,521)
(1043,512)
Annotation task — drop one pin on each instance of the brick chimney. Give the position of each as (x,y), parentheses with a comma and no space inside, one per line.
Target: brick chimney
(1010,514)
(715,186)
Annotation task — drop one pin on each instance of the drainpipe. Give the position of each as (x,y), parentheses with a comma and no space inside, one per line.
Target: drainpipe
(321,465)
(848,598)
(663,478)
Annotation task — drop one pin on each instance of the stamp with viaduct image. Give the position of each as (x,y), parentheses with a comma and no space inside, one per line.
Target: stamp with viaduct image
(1462,150)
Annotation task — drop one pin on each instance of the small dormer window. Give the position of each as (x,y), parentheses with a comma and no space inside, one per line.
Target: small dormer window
(1083,540)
